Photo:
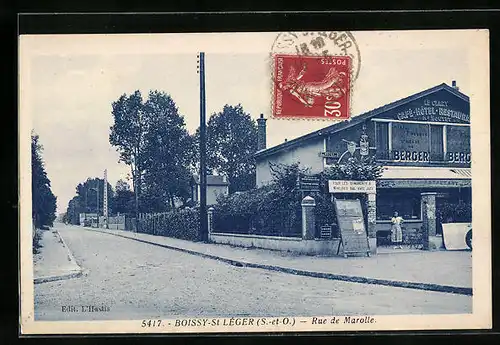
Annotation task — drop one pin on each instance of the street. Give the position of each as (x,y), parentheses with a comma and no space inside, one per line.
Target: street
(127,279)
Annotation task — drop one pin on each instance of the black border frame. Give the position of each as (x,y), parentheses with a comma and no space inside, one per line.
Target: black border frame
(67,23)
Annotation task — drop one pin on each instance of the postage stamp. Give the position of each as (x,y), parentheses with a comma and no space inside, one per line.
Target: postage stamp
(313,75)
(332,43)
(311,86)
(161,193)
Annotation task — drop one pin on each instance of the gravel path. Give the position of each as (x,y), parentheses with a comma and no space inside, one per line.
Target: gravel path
(133,280)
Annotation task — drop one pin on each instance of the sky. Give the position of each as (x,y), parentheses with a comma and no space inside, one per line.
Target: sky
(68,84)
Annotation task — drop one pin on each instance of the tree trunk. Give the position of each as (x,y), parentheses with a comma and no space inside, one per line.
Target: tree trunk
(136,192)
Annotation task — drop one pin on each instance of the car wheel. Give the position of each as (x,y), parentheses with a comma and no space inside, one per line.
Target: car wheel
(468,238)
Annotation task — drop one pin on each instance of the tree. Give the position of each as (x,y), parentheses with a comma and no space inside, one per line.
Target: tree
(91,195)
(89,198)
(127,134)
(73,211)
(169,149)
(44,202)
(355,169)
(231,144)
(152,139)
(123,201)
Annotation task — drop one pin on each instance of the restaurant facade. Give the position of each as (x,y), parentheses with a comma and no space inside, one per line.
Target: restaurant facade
(422,142)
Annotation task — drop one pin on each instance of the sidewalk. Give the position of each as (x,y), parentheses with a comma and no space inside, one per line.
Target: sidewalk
(55,261)
(446,271)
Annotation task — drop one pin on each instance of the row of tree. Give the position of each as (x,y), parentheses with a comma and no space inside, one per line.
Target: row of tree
(89,199)
(152,139)
(44,202)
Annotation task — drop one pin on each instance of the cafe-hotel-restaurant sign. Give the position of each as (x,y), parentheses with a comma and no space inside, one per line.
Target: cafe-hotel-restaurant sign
(433,130)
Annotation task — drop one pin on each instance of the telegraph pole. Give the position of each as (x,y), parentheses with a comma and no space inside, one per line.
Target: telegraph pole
(203,147)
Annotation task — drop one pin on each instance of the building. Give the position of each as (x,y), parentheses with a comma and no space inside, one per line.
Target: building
(423,142)
(88,219)
(215,185)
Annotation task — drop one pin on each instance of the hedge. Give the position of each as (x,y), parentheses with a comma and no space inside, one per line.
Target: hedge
(183,224)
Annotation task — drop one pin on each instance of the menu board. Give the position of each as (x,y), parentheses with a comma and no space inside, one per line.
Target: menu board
(351,223)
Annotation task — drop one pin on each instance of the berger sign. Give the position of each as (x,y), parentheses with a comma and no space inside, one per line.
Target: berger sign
(348,186)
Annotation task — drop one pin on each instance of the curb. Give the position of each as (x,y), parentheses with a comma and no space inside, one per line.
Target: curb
(56,278)
(330,276)
(70,256)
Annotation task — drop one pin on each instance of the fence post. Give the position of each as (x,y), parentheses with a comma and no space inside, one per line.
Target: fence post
(372,221)
(428,202)
(210,214)
(308,218)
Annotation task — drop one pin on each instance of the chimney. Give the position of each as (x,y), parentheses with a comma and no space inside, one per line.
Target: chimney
(454,85)
(261,133)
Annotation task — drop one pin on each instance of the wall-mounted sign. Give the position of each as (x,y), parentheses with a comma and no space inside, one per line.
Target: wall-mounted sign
(458,157)
(410,156)
(308,183)
(328,154)
(432,110)
(423,183)
(348,186)
(410,137)
(458,144)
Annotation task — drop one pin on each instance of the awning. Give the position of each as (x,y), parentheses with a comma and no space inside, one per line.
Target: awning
(396,172)
(424,177)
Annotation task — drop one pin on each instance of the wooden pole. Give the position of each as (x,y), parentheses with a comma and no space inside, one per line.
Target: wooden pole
(203,168)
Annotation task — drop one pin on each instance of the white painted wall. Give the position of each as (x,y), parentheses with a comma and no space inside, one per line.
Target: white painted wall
(307,154)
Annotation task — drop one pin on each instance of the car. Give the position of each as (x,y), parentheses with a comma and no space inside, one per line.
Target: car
(468,238)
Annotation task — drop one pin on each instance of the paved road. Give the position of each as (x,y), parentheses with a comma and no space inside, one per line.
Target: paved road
(135,280)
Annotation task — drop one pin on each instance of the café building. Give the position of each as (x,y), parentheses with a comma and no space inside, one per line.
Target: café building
(422,141)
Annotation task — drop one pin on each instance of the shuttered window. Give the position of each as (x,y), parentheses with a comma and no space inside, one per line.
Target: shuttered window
(382,133)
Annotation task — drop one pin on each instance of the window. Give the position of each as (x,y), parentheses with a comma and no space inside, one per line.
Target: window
(437,147)
(382,134)
(405,201)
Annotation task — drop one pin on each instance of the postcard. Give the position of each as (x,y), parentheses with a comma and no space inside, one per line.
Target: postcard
(254,182)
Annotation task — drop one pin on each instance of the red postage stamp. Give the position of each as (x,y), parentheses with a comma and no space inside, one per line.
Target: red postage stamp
(311,87)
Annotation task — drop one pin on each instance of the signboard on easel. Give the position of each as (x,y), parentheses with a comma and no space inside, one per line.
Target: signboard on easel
(353,236)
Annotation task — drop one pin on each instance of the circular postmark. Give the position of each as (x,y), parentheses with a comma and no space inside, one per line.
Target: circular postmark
(323,43)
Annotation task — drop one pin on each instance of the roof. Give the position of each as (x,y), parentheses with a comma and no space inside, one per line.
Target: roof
(359,119)
(425,173)
(212,180)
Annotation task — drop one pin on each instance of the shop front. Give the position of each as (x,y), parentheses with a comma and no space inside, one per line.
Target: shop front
(419,196)
(423,144)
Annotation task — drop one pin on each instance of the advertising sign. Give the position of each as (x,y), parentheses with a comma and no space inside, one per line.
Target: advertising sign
(348,186)
(440,107)
(352,227)
(309,183)
(458,144)
(410,142)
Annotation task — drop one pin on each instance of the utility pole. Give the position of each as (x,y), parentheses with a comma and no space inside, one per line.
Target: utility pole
(105,200)
(203,148)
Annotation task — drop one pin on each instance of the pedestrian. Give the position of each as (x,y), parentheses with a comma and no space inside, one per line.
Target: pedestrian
(396,232)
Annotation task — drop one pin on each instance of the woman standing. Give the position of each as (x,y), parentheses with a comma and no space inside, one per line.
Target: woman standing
(396,232)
